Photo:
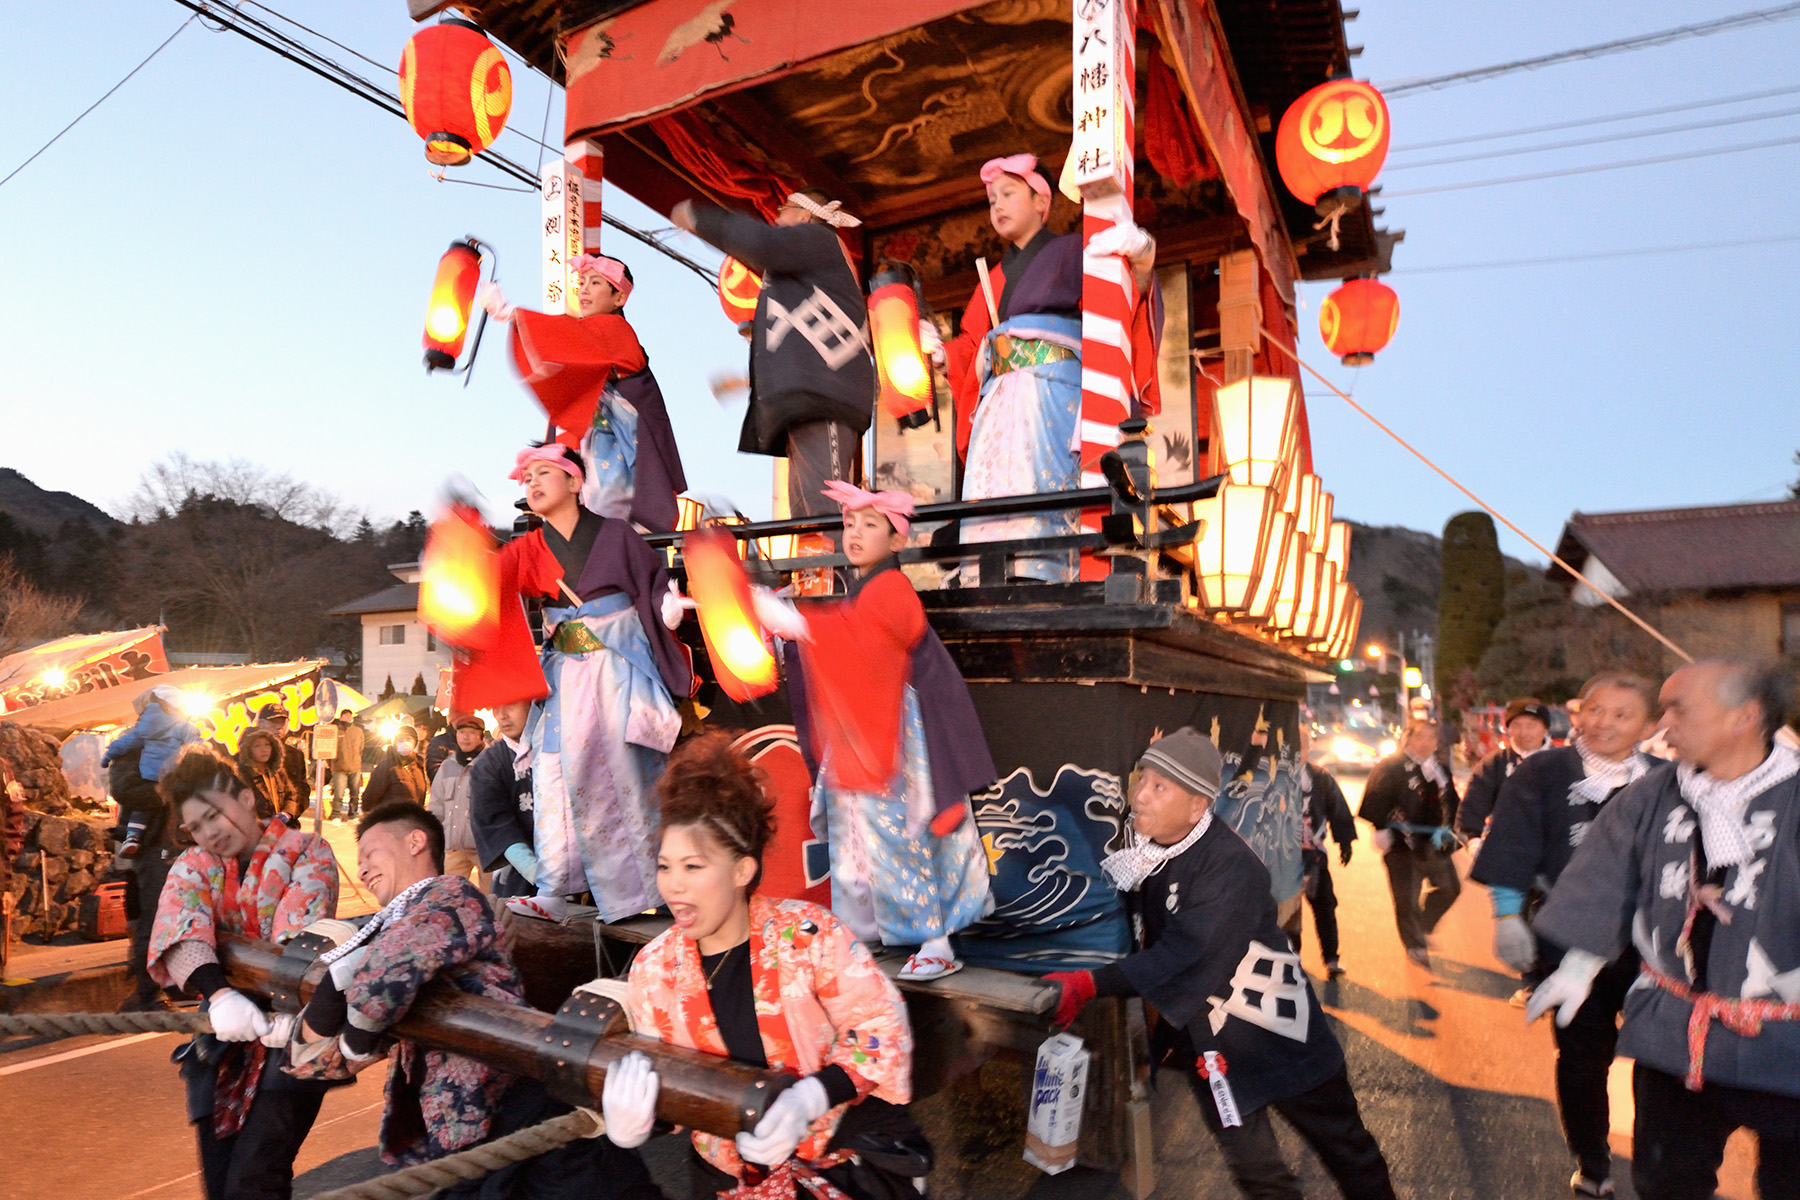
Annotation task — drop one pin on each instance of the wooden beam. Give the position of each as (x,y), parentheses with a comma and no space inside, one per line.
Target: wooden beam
(1195,46)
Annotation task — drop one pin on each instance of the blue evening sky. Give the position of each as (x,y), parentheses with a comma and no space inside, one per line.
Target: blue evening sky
(230,258)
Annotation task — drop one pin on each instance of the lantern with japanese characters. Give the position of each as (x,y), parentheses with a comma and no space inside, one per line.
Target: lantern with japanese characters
(1358,320)
(734,640)
(899,357)
(457,90)
(739,287)
(459,579)
(452,299)
(1331,143)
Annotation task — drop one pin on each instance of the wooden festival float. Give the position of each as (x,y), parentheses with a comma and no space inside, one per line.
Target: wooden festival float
(1213,575)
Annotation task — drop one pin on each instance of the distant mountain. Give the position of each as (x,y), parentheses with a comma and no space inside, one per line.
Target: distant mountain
(1397,572)
(44,512)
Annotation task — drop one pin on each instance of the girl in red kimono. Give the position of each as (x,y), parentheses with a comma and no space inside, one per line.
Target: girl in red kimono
(262,879)
(894,745)
(774,983)
(594,381)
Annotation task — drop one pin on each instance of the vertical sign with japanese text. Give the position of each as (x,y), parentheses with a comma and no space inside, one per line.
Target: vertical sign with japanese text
(559,186)
(1102,110)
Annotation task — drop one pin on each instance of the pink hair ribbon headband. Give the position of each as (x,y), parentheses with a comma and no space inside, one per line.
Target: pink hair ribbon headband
(550,452)
(611,270)
(897,507)
(1024,166)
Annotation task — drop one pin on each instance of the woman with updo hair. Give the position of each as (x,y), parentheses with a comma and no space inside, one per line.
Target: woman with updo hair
(774,983)
(258,877)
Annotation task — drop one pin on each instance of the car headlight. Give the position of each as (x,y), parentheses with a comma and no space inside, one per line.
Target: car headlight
(1344,747)
(1388,747)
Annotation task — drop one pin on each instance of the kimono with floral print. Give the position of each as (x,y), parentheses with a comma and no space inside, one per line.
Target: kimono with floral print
(820,1000)
(437,1102)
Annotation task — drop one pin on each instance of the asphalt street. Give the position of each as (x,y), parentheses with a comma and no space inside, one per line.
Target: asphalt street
(1453,1084)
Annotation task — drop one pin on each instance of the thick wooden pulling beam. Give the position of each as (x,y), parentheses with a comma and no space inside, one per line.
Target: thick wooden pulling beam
(570,1052)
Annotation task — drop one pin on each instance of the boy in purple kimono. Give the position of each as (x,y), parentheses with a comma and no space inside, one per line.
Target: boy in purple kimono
(434,926)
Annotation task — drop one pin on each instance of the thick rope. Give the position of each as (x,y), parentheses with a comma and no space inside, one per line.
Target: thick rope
(62,1025)
(476,1161)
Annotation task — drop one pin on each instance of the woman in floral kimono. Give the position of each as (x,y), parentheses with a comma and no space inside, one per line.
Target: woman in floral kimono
(774,983)
(263,879)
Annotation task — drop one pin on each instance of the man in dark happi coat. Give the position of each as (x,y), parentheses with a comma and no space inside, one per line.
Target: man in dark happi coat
(1526,729)
(1326,813)
(1544,811)
(1234,1010)
(1697,865)
(436,926)
(1410,799)
(500,804)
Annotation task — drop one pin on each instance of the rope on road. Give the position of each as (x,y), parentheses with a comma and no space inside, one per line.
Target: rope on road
(473,1163)
(62,1025)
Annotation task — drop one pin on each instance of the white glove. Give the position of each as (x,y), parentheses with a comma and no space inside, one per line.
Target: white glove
(778,616)
(344,969)
(1384,840)
(1474,845)
(281,1029)
(1567,988)
(673,605)
(491,298)
(1125,239)
(776,1136)
(235,1017)
(628,1100)
(1514,944)
(931,342)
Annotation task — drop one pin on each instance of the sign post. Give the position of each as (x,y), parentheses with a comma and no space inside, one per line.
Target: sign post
(560,188)
(325,747)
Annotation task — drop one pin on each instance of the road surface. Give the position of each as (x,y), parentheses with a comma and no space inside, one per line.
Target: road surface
(1453,1084)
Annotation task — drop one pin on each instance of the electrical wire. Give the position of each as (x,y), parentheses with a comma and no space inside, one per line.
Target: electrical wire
(1642,41)
(1690,127)
(1592,168)
(1557,126)
(1558,260)
(1459,486)
(96,104)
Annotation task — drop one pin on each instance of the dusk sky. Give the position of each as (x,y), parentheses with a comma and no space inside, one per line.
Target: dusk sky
(230,258)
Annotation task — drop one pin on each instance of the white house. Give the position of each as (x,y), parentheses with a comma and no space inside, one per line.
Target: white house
(395,643)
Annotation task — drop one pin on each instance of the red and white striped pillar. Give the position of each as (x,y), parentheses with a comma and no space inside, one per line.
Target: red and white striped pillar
(1105,44)
(587,157)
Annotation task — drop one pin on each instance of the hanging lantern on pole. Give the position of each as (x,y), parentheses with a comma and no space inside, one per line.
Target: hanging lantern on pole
(457,90)
(1255,428)
(734,640)
(899,358)
(452,300)
(1358,320)
(739,287)
(1229,556)
(459,579)
(1330,145)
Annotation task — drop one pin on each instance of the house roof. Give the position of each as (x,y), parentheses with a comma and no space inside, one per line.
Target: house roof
(1689,549)
(402,597)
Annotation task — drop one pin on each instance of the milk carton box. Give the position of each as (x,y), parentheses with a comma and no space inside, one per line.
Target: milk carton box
(1058,1090)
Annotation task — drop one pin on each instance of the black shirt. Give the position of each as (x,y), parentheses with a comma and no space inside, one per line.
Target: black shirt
(732,993)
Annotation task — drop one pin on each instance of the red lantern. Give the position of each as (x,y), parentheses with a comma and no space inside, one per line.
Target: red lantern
(459,580)
(734,641)
(452,297)
(457,90)
(899,358)
(1358,320)
(739,287)
(1331,143)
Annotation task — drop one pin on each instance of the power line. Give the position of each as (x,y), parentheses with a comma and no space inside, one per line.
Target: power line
(1589,170)
(96,104)
(1558,260)
(1690,127)
(1664,111)
(1642,41)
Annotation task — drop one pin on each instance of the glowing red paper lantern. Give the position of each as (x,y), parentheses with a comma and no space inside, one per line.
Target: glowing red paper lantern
(899,358)
(1358,320)
(734,640)
(739,287)
(1331,143)
(452,298)
(457,90)
(459,581)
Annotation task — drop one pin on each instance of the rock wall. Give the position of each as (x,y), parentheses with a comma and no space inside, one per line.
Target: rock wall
(36,760)
(63,858)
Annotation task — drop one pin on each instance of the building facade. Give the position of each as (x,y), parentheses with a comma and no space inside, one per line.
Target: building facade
(396,645)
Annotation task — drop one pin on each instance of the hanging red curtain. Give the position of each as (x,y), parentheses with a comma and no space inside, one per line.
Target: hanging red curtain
(720,167)
(1171,136)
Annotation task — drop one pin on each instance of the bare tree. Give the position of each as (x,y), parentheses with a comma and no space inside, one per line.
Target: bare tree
(28,614)
(169,483)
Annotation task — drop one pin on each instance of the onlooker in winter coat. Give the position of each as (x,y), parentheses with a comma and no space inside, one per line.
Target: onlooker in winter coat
(450,799)
(346,768)
(274,718)
(399,773)
(259,762)
(441,746)
(1527,729)
(159,733)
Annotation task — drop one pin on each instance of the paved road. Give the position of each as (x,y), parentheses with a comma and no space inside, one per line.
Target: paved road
(1455,1087)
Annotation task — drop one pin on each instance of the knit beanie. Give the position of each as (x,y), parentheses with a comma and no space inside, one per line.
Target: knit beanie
(1189,758)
